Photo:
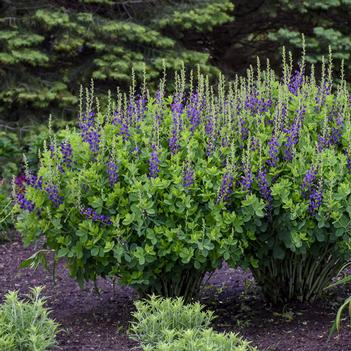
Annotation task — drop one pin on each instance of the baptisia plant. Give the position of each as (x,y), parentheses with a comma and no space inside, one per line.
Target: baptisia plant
(143,190)
(158,190)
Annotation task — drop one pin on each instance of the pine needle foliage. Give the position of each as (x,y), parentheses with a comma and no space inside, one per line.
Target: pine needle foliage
(49,47)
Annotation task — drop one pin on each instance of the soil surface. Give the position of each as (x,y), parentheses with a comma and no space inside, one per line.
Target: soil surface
(100,322)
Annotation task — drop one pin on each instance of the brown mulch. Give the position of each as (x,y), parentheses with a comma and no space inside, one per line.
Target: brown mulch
(100,322)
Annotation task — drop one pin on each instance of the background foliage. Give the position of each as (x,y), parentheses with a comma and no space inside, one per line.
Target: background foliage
(48,47)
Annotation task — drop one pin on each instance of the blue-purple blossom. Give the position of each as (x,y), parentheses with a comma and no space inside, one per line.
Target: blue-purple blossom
(273,151)
(154,162)
(194,112)
(89,213)
(90,133)
(209,130)
(348,159)
(323,142)
(323,91)
(53,194)
(188,175)
(257,105)
(315,199)
(247,178)
(112,171)
(226,187)
(243,130)
(24,203)
(296,81)
(309,181)
(66,151)
(34,181)
(293,135)
(52,150)
(265,189)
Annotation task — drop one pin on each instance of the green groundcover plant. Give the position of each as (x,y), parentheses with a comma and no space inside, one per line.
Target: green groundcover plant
(170,325)
(26,325)
(158,189)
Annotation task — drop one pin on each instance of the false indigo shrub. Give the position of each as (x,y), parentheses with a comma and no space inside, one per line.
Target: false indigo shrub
(26,325)
(170,325)
(253,172)
(131,192)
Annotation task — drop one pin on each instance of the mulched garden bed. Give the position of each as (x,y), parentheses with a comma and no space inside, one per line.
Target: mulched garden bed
(99,322)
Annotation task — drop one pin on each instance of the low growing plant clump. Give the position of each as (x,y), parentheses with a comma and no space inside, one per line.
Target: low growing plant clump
(169,325)
(26,326)
(158,190)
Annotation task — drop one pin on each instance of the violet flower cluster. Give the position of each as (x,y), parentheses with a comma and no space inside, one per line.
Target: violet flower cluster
(188,175)
(265,190)
(309,181)
(90,133)
(89,213)
(296,81)
(273,151)
(247,176)
(256,104)
(154,162)
(226,187)
(24,203)
(53,194)
(112,171)
(34,181)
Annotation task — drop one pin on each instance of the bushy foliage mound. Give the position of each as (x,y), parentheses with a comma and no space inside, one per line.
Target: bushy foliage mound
(16,141)
(170,325)
(158,190)
(26,326)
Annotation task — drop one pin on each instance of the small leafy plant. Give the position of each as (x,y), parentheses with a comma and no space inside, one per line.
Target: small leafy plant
(170,325)
(26,325)
(346,305)
(155,316)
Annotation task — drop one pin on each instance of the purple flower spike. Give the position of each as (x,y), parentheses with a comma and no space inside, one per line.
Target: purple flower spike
(293,136)
(273,151)
(54,196)
(194,112)
(24,203)
(90,133)
(247,179)
(89,213)
(265,190)
(316,199)
(34,181)
(309,181)
(154,163)
(257,105)
(66,151)
(226,187)
(112,171)
(296,81)
(188,175)
(244,130)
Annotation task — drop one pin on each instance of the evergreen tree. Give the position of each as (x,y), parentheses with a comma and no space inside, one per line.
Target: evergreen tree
(47,48)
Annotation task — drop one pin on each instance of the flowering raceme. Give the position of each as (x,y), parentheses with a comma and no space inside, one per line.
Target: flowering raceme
(159,189)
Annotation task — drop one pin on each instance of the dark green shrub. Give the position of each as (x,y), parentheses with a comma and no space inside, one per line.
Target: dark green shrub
(26,325)
(159,190)
(115,199)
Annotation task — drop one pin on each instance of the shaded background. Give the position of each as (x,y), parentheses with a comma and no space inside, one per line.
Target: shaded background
(49,47)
